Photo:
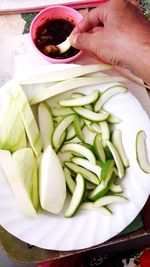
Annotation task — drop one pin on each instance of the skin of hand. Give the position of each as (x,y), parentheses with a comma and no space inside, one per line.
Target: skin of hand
(118,33)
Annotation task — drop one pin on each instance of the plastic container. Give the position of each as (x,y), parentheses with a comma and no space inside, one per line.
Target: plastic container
(50,13)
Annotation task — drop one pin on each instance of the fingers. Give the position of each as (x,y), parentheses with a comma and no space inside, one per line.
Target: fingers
(94,18)
(86,41)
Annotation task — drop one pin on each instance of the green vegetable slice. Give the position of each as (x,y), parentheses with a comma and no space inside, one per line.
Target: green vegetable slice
(98,148)
(107,178)
(110,92)
(69,181)
(106,200)
(80,149)
(117,142)
(117,159)
(76,197)
(81,101)
(87,165)
(91,206)
(89,176)
(78,129)
(90,115)
(141,155)
(60,129)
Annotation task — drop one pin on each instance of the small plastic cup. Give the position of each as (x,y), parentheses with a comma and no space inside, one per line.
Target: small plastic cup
(55,12)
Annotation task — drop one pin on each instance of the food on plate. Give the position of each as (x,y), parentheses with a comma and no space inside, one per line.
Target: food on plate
(73,148)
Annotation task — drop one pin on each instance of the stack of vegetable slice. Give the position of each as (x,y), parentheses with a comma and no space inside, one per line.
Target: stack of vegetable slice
(74,143)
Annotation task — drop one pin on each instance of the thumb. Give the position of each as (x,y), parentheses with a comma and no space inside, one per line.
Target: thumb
(82,41)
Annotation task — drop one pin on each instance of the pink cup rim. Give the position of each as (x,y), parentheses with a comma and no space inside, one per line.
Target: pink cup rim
(50,59)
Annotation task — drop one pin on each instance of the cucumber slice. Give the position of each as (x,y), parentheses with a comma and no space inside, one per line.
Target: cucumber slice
(117,159)
(70,132)
(90,206)
(90,115)
(88,107)
(20,191)
(107,177)
(105,131)
(28,119)
(110,92)
(89,185)
(98,148)
(80,149)
(77,196)
(69,181)
(113,119)
(78,129)
(81,101)
(141,154)
(117,142)
(108,153)
(87,165)
(77,95)
(106,200)
(96,127)
(89,176)
(116,188)
(45,124)
(56,112)
(60,129)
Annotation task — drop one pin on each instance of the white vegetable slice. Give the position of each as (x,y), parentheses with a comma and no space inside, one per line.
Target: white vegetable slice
(77,196)
(113,119)
(117,142)
(28,119)
(67,85)
(52,182)
(116,188)
(106,200)
(46,74)
(27,168)
(80,149)
(141,154)
(64,46)
(71,184)
(60,129)
(12,133)
(87,165)
(45,124)
(104,97)
(22,196)
(90,115)
(90,206)
(81,101)
(105,132)
(61,111)
(117,159)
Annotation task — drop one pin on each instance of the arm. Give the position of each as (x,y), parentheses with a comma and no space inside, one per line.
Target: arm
(118,33)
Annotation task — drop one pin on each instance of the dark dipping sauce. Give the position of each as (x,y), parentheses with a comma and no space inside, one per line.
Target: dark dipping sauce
(54,32)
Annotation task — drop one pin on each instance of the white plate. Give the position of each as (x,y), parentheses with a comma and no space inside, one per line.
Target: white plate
(87,228)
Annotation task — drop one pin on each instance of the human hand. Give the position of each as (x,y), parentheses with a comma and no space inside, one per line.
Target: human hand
(116,32)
